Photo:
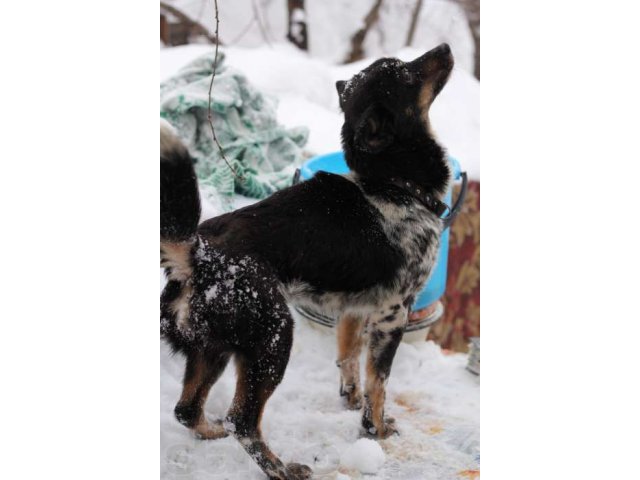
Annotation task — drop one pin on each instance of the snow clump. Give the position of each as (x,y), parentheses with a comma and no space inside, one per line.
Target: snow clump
(365,455)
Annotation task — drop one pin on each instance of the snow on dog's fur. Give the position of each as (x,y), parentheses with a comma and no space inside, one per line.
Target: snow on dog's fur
(358,245)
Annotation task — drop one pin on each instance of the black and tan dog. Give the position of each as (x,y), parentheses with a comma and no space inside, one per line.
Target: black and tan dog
(358,246)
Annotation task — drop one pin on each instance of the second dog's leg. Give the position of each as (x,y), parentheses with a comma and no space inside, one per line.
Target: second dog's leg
(386,332)
(201,373)
(257,379)
(350,339)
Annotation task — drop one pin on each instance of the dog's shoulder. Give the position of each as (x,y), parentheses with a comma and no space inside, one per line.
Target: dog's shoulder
(308,230)
(324,190)
(324,199)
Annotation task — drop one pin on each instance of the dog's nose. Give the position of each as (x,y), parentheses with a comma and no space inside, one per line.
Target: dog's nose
(443,49)
(441,53)
(435,60)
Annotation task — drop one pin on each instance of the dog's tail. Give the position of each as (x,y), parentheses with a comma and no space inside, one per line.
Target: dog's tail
(179,205)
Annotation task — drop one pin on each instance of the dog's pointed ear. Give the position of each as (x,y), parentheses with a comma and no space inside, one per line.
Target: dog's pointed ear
(374,132)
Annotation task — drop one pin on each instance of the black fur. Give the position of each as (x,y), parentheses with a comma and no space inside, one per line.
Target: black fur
(384,359)
(321,231)
(384,134)
(367,424)
(179,200)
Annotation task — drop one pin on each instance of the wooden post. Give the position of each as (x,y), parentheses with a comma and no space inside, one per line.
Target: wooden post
(164,29)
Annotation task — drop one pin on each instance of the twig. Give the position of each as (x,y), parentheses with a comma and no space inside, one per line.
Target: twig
(209,113)
(263,31)
(414,23)
(244,31)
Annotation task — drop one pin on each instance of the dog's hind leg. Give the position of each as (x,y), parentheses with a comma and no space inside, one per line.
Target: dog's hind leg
(258,377)
(202,371)
(386,331)
(350,339)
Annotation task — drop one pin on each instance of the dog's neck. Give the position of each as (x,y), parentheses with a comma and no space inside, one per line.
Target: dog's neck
(422,163)
(401,192)
(424,180)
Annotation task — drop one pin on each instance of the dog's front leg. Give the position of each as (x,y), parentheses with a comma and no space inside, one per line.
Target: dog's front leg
(350,340)
(385,333)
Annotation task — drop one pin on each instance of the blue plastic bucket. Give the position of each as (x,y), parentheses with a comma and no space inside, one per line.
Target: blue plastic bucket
(435,287)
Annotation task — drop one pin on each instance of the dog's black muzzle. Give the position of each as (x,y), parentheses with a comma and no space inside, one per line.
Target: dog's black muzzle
(434,66)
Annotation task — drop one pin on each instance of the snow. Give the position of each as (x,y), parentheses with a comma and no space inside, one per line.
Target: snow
(365,455)
(298,15)
(433,398)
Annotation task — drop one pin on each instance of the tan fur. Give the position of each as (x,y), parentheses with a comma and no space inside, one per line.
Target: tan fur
(240,394)
(180,305)
(425,98)
(208,431)
(350,341)
(169,140)
(191,386)
(195,390)
(177,257)
(375,393)
(424,103)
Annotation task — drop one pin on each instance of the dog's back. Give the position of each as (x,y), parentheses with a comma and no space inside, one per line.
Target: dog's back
(322,233)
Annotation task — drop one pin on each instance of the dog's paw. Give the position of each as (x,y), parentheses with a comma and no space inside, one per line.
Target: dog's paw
(297,471)
(187,414)
(352,397)
(388,429)
(210,431)
(353,401)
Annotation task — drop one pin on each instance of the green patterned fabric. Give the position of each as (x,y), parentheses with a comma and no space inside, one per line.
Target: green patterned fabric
(262,151)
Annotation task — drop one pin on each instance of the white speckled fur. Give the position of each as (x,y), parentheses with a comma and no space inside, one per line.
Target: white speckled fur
(404,225)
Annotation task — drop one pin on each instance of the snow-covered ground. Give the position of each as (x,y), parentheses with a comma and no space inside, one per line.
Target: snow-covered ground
(434,399)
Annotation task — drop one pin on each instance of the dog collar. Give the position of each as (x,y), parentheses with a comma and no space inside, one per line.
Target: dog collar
(432,203)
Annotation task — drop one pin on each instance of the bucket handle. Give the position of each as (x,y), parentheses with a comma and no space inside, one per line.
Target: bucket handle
(296,177)
(455,210)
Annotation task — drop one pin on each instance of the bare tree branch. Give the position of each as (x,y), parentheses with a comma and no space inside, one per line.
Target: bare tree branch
(256,15)
(472,10)
(414,23)
(357,41)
